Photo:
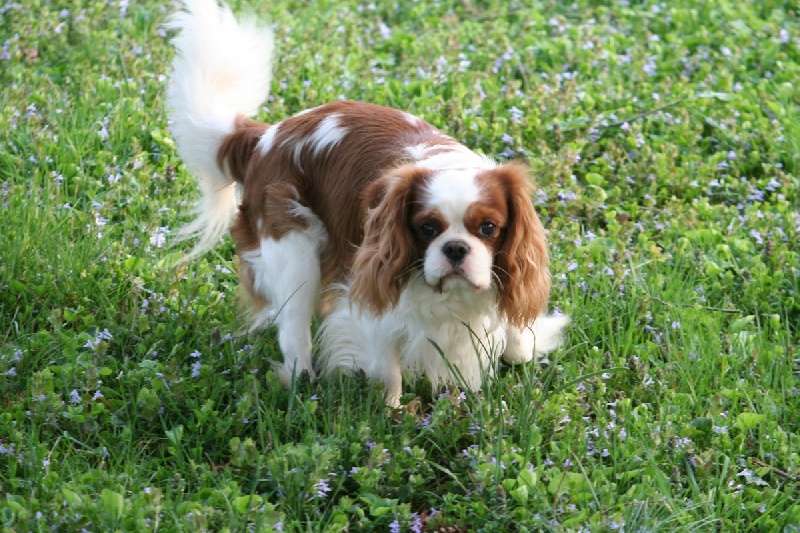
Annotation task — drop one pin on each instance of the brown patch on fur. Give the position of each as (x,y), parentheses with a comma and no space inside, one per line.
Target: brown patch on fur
(382,265)
(250,302)
(493,210)
(522,264)
(427,216)
(246,239)
(238,147)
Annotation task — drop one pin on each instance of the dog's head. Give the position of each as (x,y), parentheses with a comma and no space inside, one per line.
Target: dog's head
(458,229)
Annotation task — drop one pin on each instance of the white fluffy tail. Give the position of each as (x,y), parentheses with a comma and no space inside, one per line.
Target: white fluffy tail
(222,69)
(548,333)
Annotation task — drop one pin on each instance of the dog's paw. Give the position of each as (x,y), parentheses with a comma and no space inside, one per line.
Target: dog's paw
(543,336)
(519,346)
(289,374)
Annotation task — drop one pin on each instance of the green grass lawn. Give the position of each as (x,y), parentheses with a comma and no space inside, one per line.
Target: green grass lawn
(665,139)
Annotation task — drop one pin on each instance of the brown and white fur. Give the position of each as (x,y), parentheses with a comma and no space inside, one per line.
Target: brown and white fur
(419,255)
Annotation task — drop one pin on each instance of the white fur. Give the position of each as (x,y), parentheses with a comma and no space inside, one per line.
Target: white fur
(411,119)
(297,151)
(417,151)
(213,79)
(328,134)
(287,274)
(267,140)
(452,192)
(445,336)
(543,336)
(457,157)
(450,337)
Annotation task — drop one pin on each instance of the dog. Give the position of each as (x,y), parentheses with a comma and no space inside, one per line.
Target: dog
(419,255)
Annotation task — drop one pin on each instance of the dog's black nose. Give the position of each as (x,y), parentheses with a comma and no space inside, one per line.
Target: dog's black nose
(455,251)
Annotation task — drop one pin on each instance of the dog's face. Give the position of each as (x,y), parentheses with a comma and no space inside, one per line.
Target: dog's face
(458,230)
(458,222)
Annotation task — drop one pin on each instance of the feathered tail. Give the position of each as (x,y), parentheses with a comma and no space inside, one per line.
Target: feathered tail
(222,69)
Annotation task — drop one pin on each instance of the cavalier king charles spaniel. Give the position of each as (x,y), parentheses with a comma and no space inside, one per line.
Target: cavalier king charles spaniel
(419,256)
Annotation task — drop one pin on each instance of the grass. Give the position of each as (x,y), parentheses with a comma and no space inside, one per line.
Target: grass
(665,141)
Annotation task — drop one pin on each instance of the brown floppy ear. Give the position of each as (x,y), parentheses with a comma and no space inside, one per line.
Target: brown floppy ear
(382,263)
(522,264)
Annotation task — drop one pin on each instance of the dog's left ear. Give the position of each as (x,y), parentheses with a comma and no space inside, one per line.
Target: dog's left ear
(382,264)
(522,264)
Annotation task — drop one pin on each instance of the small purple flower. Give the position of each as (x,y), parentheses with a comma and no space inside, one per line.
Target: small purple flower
(74,396)
(756,195)
(650,67)
(416,523)
(426,421)
(322,488)
(394,527)
(385,30)
(159,237)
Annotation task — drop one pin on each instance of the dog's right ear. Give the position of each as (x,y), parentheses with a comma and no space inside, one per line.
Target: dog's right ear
(522,264)
(385,258)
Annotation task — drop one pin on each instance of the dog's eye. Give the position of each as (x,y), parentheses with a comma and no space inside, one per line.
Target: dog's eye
(486,230)
(428,230)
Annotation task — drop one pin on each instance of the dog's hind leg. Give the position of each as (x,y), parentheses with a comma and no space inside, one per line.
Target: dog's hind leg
(285,272)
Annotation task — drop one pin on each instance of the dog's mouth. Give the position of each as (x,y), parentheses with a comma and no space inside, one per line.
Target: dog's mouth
(454,279)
